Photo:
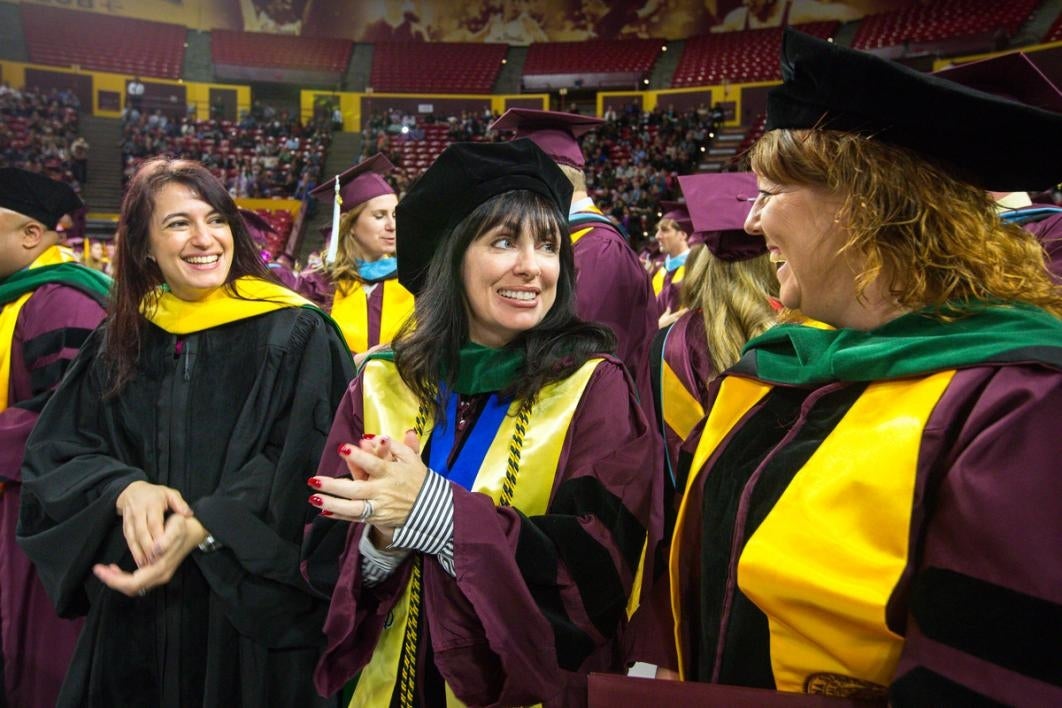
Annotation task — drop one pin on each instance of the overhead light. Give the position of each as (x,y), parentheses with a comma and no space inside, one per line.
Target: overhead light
(645,81)
(703,149)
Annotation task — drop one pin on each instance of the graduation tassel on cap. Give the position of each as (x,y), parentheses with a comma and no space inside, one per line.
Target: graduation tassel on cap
(333,242)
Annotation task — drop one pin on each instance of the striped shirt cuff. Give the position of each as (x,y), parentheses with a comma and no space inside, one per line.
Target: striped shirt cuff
(377,565)
(430,526)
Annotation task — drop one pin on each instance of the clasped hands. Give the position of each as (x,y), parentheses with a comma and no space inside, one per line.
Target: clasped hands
(385,479)
(161,531)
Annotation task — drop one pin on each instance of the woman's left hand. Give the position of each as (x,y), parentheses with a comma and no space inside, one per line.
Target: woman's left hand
(360,358)
(670,317)
(385,472)
(180,536)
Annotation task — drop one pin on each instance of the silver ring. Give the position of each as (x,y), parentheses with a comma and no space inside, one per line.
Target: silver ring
(366,513)
(141,592)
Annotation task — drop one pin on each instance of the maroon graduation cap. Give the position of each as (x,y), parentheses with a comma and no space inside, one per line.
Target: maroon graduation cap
(358,184)
(355,185)
(556,133)
(679,213)
(719,204)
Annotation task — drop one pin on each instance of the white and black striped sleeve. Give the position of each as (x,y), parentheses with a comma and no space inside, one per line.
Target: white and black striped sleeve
(430,526)
(377,565)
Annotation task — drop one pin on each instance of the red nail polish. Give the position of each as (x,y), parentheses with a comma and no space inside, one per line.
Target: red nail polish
(326,512)
(314,482)
(368,436)
(316,500)
(344,450)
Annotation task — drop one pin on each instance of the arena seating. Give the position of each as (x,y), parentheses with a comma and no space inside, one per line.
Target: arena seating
(258,49)
(418,154)
(592,57)
(102,42)
(36,131)
(442,67)
(946,19)
(747,55)
(631,160)
(755,131)
(267,159)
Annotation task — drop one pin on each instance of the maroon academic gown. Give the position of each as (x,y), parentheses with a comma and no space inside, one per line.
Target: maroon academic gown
(612,288)
(316,287)
(37,644)
(984,533)
(284,274)
(537,602)
(1049,232)
(684,346)
(669,296)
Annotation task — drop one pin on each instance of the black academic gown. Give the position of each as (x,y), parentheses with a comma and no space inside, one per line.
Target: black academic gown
(235,419)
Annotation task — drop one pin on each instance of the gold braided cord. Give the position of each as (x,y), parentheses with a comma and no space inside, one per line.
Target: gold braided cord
(515,446)
(408,666)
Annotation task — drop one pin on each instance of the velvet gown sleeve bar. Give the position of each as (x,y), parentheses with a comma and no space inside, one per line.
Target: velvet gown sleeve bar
(234,419)
(51,327)
(537,602)
(37,645)
(985,597)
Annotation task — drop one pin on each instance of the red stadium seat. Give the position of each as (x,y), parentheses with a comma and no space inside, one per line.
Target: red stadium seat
(946,19)
(258,49)
(102,42)
(748,55)
(592,57)
(455,67)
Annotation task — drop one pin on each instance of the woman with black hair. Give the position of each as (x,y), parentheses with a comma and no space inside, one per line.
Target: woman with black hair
(496,567)
(161,484)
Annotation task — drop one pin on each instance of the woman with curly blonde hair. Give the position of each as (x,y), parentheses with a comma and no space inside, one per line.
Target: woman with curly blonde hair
(874,507)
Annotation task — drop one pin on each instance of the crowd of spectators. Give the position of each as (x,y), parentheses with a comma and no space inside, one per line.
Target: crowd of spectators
(39,132)
(264,154)
(632,161)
